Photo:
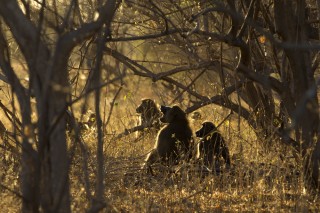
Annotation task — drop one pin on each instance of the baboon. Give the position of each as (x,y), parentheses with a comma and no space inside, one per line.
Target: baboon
(212,146)
(72,122)
(149,115)
(89,123)
(196,115)
(173,143)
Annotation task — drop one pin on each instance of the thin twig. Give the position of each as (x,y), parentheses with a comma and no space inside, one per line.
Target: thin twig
(188,87)
(112,106)
(131,130)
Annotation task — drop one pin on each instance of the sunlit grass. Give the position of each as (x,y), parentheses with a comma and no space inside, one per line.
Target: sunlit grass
(259,181)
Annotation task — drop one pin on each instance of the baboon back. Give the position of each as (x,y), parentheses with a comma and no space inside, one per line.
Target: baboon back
(175,138)
(212,145)
(173,141)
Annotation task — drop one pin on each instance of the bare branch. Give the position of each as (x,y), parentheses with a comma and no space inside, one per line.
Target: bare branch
(23,30)
(132,65)
(268,82)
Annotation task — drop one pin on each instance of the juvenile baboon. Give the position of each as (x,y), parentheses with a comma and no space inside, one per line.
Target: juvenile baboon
(72,122)
(89,123)
(211,146)
(149,115)
(174,140)
(196,115)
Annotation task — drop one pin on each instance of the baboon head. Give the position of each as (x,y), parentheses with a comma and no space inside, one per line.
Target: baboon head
(92,119)
(164,109)
(196,115)
(171,114)
(146,105)
(206,128)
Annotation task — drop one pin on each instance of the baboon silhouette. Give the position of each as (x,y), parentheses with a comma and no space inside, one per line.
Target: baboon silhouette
(149,115)
(173,143)
(211,146)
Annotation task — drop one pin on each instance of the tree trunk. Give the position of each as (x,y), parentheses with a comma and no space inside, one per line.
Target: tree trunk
(290,23)
(30,162)
(59,161)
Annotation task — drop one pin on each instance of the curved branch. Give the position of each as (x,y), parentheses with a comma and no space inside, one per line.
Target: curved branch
(266,81)
(22,28)
(106,14)
(11,77)
(134,66)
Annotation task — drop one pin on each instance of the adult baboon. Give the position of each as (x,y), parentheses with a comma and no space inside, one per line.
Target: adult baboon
(212,146)
(149,115)
(174,140)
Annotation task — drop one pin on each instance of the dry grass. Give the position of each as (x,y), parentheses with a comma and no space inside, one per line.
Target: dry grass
(260,180)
